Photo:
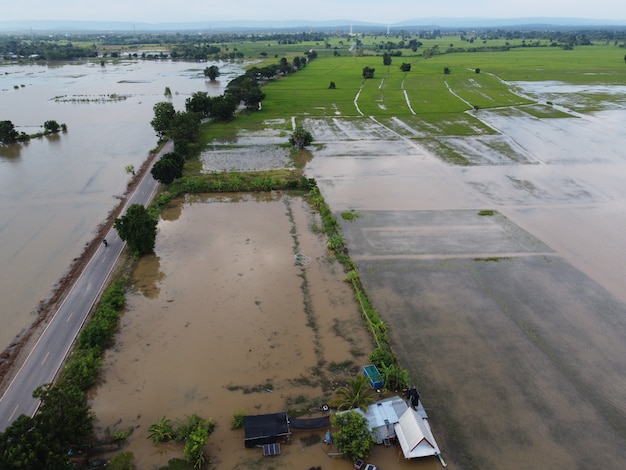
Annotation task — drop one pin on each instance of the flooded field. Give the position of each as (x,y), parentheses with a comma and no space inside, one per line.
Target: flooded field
(222,319)
(511,323)
(55,191)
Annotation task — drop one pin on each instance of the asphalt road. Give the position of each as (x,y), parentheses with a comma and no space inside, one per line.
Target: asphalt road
(48,354)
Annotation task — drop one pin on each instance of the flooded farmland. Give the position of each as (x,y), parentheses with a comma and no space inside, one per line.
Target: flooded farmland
(55,191)
(501,281)
(229,310)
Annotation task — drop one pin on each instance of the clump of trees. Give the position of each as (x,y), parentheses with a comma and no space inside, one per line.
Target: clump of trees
(368,72)
(405,67)
(300,138)
(138,228)
(353,437)
(194,431)
(212,72)
(9,135)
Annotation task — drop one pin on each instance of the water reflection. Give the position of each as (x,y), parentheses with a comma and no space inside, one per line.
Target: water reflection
(148,276)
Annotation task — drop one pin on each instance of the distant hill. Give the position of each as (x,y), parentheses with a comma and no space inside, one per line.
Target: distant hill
(302,25)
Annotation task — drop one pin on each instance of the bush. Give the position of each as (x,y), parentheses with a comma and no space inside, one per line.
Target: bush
(122,461)
(237,422)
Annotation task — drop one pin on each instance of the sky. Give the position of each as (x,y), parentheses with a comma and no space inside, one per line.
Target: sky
(377,11)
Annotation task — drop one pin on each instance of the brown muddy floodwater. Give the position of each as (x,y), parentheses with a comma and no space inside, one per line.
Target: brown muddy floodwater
(223,307)
(512,324)
(55,191)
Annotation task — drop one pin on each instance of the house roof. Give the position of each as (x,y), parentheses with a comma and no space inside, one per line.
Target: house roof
(414,435)
(260,428)
(384,412)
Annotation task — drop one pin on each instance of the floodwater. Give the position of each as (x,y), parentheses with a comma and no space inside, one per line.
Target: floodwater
(55,191)
(223,306)
(512,325)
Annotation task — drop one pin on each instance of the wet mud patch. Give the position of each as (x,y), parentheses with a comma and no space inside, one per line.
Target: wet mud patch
(387,234)
(248,158)
(488,150)
(534,184)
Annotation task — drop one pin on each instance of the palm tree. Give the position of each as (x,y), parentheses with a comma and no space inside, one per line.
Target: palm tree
(357,394)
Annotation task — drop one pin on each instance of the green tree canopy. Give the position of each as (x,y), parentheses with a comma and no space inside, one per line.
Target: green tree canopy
(353,438)
(164,113)
(138,228)
(212,72)
(356,394)
(300,138)
(8,134)
(51,126)
(368,72)
(199,102)
(168,168)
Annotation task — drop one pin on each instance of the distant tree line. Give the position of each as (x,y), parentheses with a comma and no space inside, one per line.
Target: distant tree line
(45,49)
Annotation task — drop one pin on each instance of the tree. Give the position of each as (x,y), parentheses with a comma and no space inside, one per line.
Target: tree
(223,107)
(185,126)
(212,72)
(368,72)
(164,113)
(50,127)
(199,102)
(138,228)
(405,67)
(446,70)
(386,58)
(300,138)
(477,70)
(395,378)
(64,416)
(8,134)
(353,438)
(332,86)
(194,446)
(168,168)
(357,394)
(130,169)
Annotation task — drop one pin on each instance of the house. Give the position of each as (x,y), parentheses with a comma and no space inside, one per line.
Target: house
(414,435)
(392,418)
(382,416)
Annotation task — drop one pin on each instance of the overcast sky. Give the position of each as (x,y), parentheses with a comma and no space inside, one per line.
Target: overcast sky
(379,11)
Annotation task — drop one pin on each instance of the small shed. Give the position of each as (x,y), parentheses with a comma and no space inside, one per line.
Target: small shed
(265,429)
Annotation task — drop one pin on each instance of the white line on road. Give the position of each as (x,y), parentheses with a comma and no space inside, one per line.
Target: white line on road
(45,358)
(69,316)
(13,414)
